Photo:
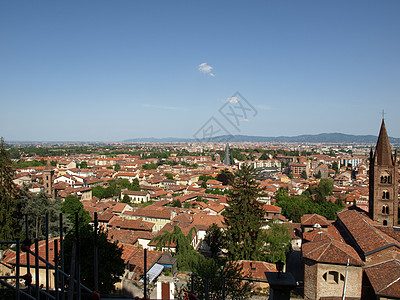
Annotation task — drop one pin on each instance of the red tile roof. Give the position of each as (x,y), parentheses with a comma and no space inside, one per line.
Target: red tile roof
(385,278)
(331,251)
(363,231)
(312,219)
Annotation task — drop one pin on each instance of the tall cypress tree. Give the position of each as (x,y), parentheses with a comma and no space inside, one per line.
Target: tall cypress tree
(8,197)
(244,217)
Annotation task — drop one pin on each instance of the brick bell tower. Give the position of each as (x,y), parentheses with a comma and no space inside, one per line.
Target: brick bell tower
(383,182)
(48,177)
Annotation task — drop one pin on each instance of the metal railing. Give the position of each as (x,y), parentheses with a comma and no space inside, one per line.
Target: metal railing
(58,293)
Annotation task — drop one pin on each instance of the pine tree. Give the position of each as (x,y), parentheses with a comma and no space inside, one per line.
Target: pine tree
(244,217)
(8,197)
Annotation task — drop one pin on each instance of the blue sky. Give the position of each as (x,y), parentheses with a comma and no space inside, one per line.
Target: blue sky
(113,70)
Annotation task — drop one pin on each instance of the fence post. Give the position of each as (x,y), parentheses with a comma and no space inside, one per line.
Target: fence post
(47,254)
(56,269)
(37,268)
(96,259)
(27,243)
(192,283)
(78,258)
(223,286)
(207,289)
(62,256)
(17,258)
(145,274)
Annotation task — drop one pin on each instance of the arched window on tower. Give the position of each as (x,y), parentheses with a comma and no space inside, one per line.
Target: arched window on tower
(385,195)
(384,223)
(387,210)
(383,209)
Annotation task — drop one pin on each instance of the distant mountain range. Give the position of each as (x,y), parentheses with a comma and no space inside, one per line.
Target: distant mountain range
(335,138)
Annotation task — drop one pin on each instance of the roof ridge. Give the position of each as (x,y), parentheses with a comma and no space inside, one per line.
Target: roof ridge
(375,230)
(390,284)
(383,262)
(345,252)
(326,248)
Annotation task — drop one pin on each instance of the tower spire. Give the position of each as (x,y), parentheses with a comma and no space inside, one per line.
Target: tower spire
(383,152)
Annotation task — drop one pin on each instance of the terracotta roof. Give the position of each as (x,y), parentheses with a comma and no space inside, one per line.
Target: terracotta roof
(256,269)
(183,218)
(122,236)
(151,211)
(331,251)
(202,221)
(271,208)
(119,207)
(104,217)
(138,224)
(385,278)
(363,231)
(312,219)
(315,236)
(42,253)
(135,193)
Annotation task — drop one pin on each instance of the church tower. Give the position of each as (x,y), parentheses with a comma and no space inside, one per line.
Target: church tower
(48,177)
(383,182)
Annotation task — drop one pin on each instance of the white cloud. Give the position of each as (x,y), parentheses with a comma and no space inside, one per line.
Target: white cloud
(233,100)
(206,69)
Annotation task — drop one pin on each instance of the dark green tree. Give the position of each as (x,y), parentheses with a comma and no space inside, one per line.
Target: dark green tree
(335,167)
(98,191)
(111,266)
(213,271)
(72,205)
(244,217)
(83,165)
(169,175)
(278,242)
(304,175)
(214,239)
(225,176)
(36,207)
(324,189)
(117,167)
(176,203)
(319,175)
(124,183)
(185,254)
(150,166)
(9,197)
(203,185)
(126,199)
(205,177)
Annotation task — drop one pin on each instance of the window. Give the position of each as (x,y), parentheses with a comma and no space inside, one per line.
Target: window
(384,223)
(386,178)
(333,277)
(385,195)
(385,209)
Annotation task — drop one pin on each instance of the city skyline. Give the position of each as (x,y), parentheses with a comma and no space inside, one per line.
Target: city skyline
(111,71)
